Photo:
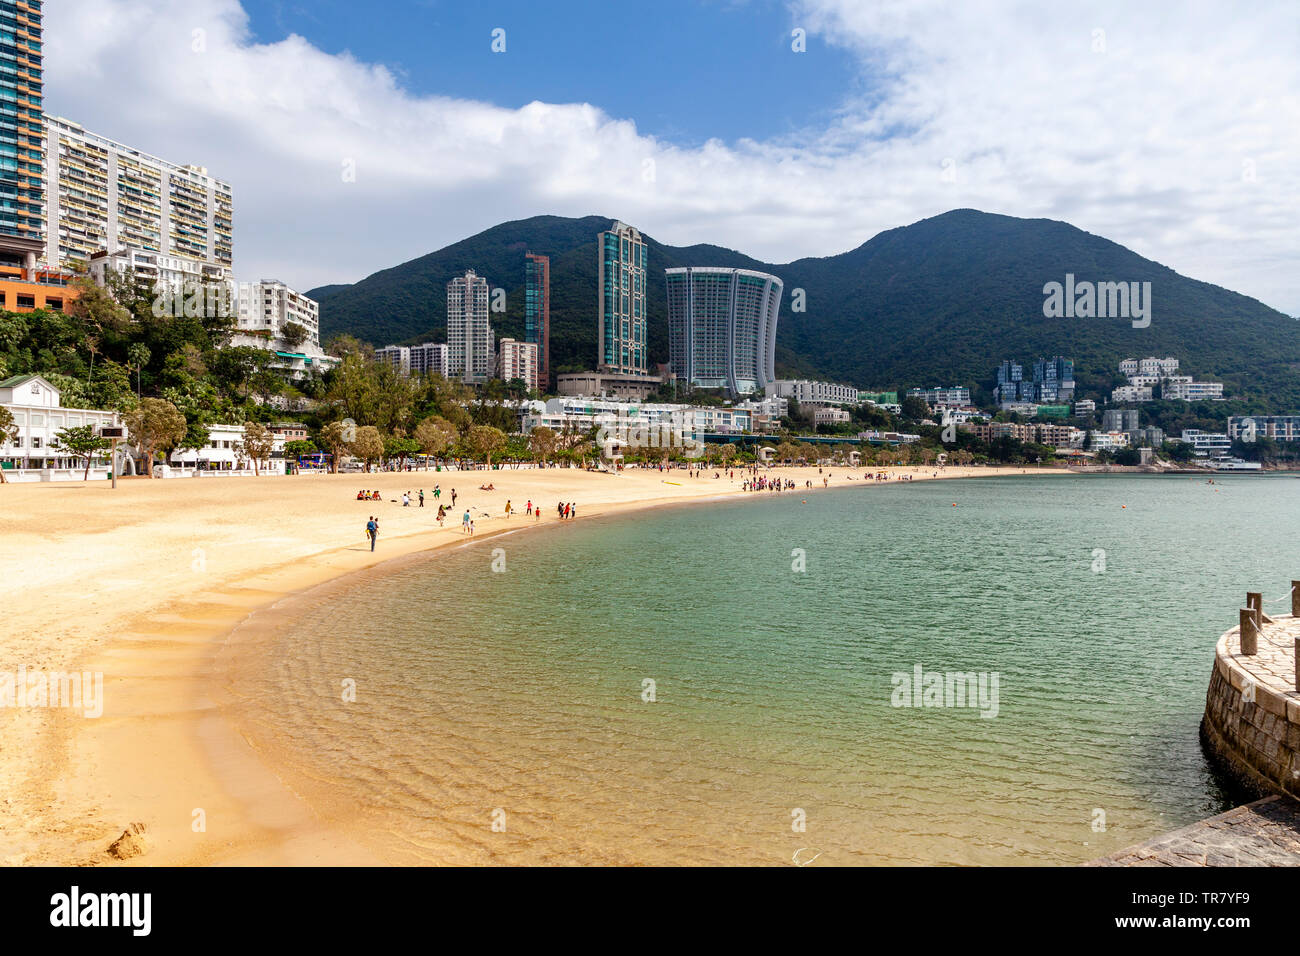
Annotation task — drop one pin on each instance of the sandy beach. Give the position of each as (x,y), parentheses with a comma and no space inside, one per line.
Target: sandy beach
(144,583)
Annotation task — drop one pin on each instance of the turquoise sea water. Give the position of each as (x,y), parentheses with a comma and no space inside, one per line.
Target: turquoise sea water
(518,698)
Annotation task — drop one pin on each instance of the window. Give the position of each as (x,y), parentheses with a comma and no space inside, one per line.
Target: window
(36,441)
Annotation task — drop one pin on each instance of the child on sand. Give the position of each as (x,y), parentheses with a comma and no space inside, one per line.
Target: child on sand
(507,507)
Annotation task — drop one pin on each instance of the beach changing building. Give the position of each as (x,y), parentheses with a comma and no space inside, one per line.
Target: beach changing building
(39,415)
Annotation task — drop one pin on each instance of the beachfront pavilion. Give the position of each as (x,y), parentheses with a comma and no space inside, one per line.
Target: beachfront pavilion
(39,415)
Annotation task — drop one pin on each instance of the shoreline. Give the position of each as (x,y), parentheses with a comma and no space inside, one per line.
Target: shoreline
(163,754)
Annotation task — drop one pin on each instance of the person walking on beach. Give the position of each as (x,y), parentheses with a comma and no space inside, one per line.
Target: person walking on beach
(471,527)
(372,531)
(529,512)
(465,522)
(441,514)
(507,508)
(453,497)
(437,492)
(421,497)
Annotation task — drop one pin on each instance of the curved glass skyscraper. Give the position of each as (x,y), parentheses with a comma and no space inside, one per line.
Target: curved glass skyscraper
(722,327)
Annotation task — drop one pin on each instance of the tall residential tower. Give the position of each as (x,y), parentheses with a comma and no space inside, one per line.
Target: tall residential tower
(537,314)
(469,335)
(722,327)
(622,289)
(22,135)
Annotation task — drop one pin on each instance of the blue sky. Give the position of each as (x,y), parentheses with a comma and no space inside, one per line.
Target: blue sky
(683,70)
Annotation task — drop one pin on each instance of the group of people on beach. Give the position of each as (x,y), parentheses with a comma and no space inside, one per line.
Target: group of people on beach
(364,495)
(566,509)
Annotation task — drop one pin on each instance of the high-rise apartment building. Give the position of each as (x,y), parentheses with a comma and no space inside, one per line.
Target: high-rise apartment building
(469,334)
(537,313)
(722,327)
(519,360)
(104,195)
(427,359)
(22,135)
(621,331)
(431,358)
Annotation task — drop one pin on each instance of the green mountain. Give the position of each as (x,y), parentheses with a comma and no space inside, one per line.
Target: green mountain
(939,302)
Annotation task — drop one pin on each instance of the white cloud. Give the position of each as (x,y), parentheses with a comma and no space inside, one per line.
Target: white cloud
(1142,142)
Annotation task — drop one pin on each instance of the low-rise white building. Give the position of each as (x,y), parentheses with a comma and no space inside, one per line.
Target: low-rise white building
(1193,391)
(812,393)
(1107,441)
(39,416)
(830,416)
(1207,444)
(223,453)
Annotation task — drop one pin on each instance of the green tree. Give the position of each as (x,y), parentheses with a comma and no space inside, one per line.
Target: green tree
(368,445)
(257,444)
(400,447)
(138,356)
(8,433)
(435,435)
(299,449)
(484,440)
(542,442)
(293,335)
(334,438)
(82,442)
(915,408)
(155,425)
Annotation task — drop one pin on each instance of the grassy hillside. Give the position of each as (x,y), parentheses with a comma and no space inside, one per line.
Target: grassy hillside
(941,301)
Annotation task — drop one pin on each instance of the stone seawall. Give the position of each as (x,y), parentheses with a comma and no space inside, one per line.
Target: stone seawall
(1251,726)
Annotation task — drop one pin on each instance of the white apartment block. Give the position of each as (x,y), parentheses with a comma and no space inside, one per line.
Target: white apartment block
(431,358)
(1207,444)
(812,393)
(1108,441)
(1131,393)
(939,397)
(264,310)
(427,359)
(773,407)
(1194,391)
(101,194)
(39,416)
(518,360)
(469,333)
(176,275)
(398,356)
(1159,367)
(1085,406)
